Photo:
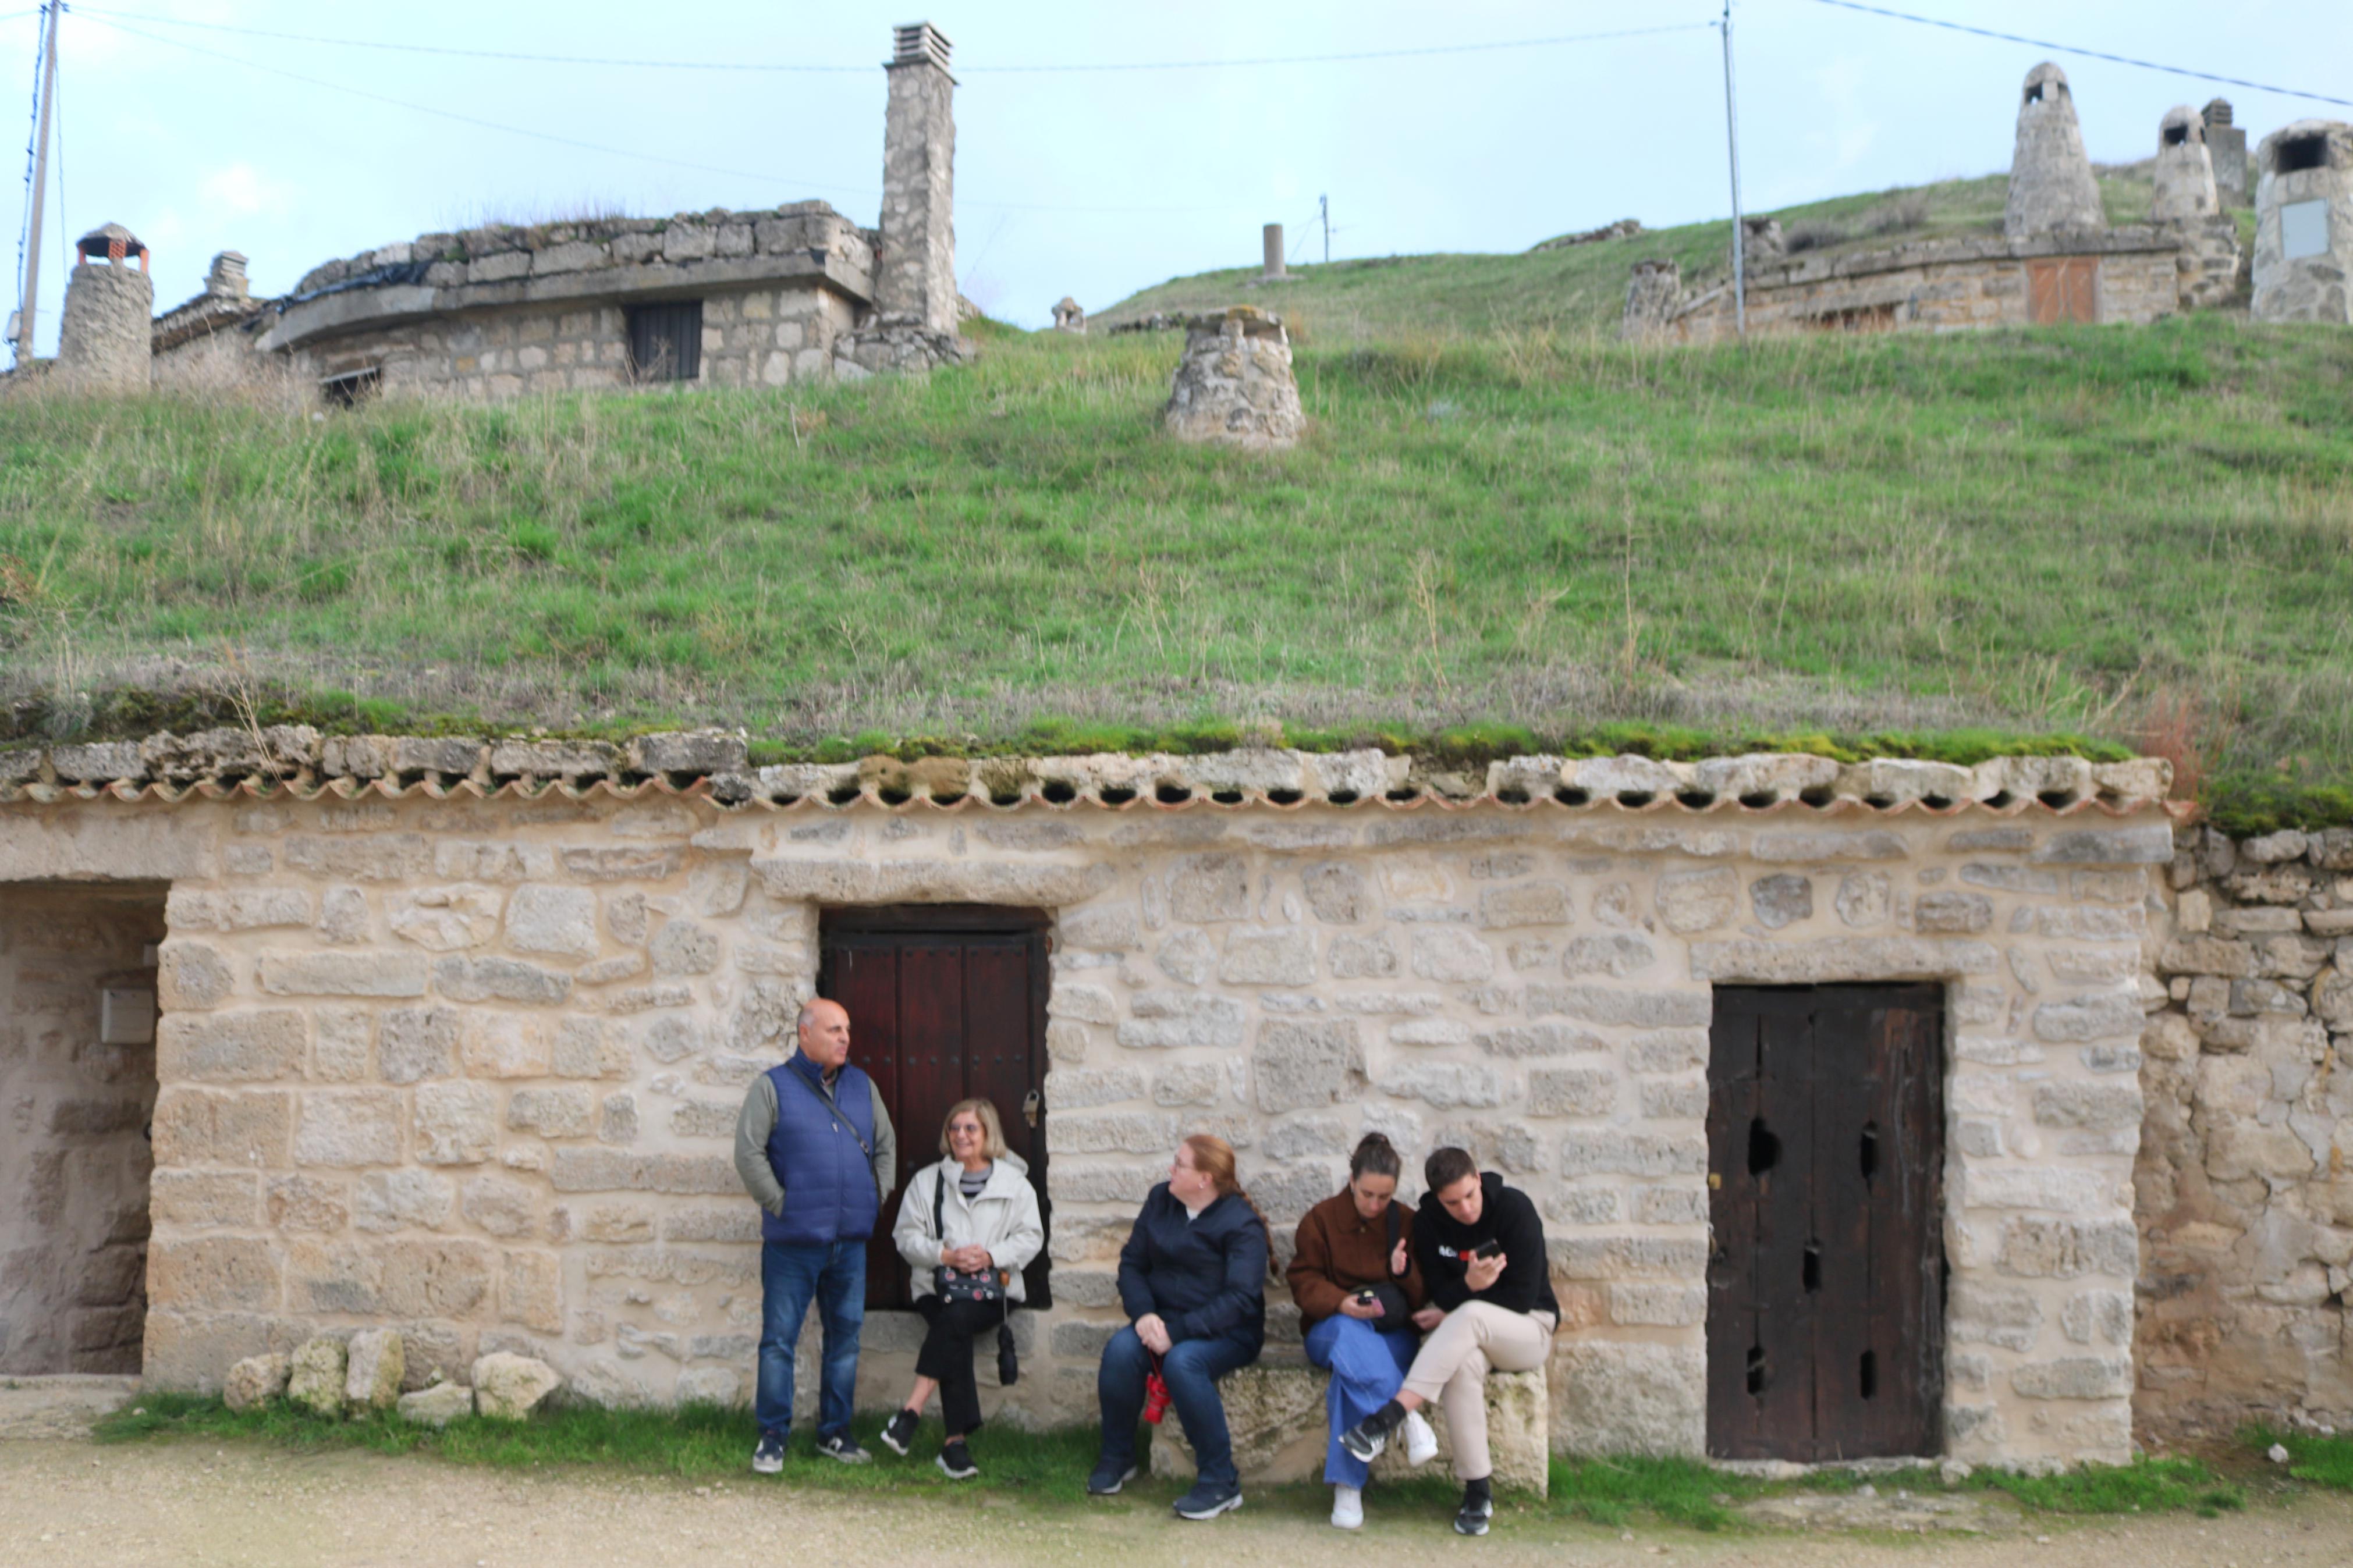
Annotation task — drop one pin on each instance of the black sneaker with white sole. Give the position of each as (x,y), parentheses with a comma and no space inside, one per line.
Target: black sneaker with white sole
(1472,1518)
(1109,1477)
(843,1447)
(769,1457)
(1208,1502)
(901,1432)
(955,1461)
(1365,1440)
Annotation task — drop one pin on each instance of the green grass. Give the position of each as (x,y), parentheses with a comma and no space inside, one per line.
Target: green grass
(2321,1461)
(2120,536)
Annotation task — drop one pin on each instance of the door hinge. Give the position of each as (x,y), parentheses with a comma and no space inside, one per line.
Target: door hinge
(1033,1104)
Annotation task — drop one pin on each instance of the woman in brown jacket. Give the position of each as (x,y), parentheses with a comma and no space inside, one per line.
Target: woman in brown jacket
(1359,1291)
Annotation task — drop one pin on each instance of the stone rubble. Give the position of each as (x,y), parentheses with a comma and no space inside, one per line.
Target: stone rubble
(509,1388)
(255,1380)
(316,1379)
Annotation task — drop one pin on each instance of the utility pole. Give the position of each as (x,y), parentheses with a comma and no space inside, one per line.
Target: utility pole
(1323,210)
(40,187)
(1739,229)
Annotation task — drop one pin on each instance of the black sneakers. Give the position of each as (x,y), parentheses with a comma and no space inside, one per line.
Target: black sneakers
(1206,1501)
(901,1432)
(843,1447)
(955,1461)
(769,1457)
(1478,1508)
(1109,1477)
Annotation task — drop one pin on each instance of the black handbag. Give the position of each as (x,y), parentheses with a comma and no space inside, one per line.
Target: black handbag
(955,1285)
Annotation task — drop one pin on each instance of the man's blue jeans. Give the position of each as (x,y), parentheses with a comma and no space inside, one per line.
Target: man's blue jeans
(835,1275)
(1191,1369)
(1367,1369)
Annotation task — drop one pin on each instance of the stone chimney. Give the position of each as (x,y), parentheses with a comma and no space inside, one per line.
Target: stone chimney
(2185,174)
(2051,183)
(2226,145)
(1652,294)
(226,280)
(1234,386)
(915,284)
(1269,245)
(2303,224)
(104,344)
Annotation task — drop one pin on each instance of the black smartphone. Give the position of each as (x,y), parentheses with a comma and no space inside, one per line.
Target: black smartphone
(1488,1249)
(1365,1298)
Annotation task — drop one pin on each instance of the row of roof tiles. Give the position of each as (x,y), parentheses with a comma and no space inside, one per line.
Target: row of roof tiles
(296,759)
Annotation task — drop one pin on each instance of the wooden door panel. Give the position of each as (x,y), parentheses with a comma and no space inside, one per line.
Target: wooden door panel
(1826,1300)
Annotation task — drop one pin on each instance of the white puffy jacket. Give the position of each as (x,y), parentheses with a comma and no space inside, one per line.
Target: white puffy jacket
(1004,1219)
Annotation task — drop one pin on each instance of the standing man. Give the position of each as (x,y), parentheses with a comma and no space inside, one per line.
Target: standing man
(815,1149)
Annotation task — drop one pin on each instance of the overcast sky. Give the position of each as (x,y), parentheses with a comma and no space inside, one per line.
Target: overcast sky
(1092,184)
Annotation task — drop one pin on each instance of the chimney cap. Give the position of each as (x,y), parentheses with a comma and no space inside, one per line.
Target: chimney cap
(109,241)
(920,43)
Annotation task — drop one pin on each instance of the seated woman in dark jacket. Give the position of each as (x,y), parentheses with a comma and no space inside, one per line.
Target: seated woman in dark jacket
(1193,1279)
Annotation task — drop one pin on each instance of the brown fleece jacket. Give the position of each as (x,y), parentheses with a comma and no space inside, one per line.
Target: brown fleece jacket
(1340,1253)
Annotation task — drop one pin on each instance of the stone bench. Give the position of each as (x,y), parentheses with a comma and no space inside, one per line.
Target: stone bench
(1275,1412)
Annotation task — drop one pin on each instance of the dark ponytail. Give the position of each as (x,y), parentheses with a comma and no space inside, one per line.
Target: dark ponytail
(1377,1155)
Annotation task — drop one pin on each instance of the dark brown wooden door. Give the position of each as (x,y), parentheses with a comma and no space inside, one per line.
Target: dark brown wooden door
(946,1003)
(1826,1295)
(2062,288)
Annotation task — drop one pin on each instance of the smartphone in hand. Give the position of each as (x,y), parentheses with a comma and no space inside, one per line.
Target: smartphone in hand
(1488,1249)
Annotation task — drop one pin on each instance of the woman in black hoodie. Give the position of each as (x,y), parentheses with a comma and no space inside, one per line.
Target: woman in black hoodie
(1193,1279)
(1482,1249)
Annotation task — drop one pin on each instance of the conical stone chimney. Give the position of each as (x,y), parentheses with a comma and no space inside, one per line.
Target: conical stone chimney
(2051,183)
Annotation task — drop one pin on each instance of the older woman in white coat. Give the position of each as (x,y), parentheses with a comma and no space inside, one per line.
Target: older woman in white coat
(968,1226)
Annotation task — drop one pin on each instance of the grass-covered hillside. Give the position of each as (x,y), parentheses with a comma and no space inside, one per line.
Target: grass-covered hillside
(2144,535)
(1583,287)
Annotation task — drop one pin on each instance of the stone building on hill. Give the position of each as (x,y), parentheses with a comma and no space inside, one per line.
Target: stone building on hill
(1890,1108)
(2056,259)
(757,298)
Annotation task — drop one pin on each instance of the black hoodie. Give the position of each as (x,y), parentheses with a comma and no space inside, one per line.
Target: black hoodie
(1505,1218)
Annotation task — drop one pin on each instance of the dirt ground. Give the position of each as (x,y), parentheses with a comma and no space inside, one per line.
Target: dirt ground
(187,1505)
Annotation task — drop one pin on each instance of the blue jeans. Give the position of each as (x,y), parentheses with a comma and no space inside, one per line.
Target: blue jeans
(835,1274)
(1367,1368)
(1191,1369)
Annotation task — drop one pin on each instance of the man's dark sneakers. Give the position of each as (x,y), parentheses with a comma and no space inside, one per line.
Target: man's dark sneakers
(1206,1501)
(843,1447)
(901,1432)
(769,1457)
(955,1461)
(1109,1477)
(1478,1508)
(1366,1439)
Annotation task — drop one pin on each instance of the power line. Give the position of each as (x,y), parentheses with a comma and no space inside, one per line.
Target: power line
(757,66)
(2087,54)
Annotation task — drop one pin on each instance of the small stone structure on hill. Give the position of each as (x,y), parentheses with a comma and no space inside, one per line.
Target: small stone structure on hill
(2051,183)
(2226,144)
(760,298)
(1234,384)
(102,344)
(2056,260)
(2184,174)
(1069,317)
(2303,224)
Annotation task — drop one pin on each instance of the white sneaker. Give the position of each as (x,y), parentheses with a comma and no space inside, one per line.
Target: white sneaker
(1420,1442)
(1347,1507)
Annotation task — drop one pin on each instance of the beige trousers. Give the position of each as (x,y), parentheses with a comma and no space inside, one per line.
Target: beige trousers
(1450,1370)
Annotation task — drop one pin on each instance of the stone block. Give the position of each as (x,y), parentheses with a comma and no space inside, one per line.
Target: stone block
(1179,1019)
(2098,1317)
(508,1387)
(1255,955)
(1299,1065)
(619,1171)
(221,1274)
(1446,1085)
(1617,954)
(1668,1099)
(1072,1089)
(1336,893)
(202,1200)
(1363,958)
(499,1205)
(1523,904)
(1671,1206)
(1658,1306)
(1781,900)
(250,1046)
(2075,1378)
(1431,1032)
(1518,1040)
(315,1378)
(1615,1152)
(374,1364)
(444,920)
(255,1380)
(1450,954)
(561,1111)
(2067,1248)
(1113,929)
(2089,1018)
(1979,1314)
(1069,1181)
(457,1123)
(682,947)
(211,1127)
(1952,913)
(1628,1398)
(1203,888)
(437,1405)
(417,1043)
(1643,1009)
(350,1127)
(531,1290)
(362,974)
(1667,1050)
(1195,1083)
(191,975)
(1572,1091)
(306,1204)
(397,1200)
(508,1045)
(2099,1107)
(496,979)
(543,917)
(1864,899)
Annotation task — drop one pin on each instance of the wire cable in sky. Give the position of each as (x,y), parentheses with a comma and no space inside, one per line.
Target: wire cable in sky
(640,63)
(2087,54)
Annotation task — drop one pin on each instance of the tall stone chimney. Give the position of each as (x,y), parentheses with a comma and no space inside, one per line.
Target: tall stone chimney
(2184,175)
(2051,183)
(915,285)
(104,344)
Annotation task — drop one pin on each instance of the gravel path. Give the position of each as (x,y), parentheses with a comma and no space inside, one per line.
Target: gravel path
(186,1505)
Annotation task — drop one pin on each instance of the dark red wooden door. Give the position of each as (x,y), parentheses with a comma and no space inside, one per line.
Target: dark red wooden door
(946,1003)
(1826,1297)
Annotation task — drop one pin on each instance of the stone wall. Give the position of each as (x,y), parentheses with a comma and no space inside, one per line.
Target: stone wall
(74,1161)
(1959,284)
(2244,1198)
(468,1065)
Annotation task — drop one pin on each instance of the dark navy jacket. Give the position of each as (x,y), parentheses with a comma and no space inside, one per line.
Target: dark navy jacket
(818,1150)
(1206,1278)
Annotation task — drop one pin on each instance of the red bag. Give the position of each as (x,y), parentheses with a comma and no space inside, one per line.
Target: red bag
(1155,1393)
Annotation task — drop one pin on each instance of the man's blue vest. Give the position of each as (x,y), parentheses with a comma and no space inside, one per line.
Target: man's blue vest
(828,1181)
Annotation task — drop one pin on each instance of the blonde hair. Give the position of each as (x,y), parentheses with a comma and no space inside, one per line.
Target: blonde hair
(992,1131)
